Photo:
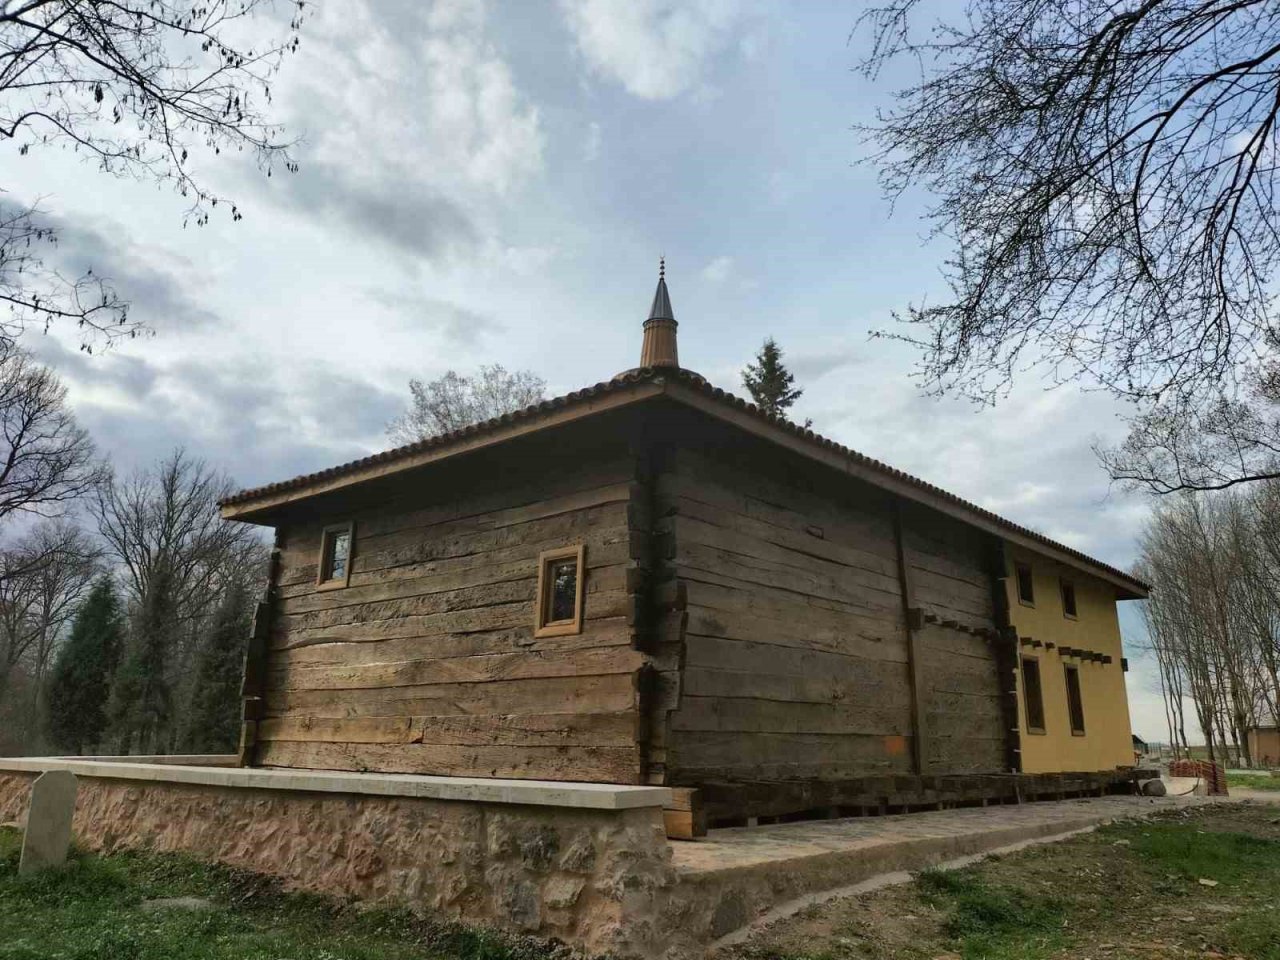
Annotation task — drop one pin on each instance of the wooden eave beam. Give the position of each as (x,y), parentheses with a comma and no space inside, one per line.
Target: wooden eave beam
(256,509)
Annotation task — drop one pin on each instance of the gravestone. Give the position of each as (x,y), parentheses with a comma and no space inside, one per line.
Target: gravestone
(53,801)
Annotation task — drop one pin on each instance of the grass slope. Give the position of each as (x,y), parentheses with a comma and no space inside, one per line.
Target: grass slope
(1199,883)
(93,910)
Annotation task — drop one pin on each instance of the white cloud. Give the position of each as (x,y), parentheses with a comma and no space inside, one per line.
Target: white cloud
(409,108)
(718,270)
(657,49)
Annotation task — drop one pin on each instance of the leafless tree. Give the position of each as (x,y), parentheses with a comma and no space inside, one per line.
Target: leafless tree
(1107,174)
(165,521)
(454,401)
(42,578)
(135,86)
(46,459)
(176,555)
(1213,619)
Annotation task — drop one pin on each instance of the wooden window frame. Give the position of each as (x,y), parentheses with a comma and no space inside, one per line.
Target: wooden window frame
(1039,731)
(1018,567)
(1067,671)
(1065,585)
(328,532)
(559,628)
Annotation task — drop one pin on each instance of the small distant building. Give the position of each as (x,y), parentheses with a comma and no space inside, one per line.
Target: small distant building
(1264,745)
(652,581)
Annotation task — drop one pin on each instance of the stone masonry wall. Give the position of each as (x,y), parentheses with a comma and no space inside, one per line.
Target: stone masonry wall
(596,879)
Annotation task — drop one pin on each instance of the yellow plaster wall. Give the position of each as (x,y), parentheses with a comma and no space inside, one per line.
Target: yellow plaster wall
(1107,742)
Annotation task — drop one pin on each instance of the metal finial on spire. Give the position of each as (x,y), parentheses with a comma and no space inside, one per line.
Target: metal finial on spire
(659,348)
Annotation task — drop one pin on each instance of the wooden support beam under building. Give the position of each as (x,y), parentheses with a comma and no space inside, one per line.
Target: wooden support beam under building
(684,816)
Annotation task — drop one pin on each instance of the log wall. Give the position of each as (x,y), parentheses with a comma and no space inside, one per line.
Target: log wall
(427,661)
(791,658)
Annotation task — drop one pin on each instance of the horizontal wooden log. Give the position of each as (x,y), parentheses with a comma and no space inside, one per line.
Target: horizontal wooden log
(733,755)
(604,548)
(456,669)
(588,764)
(736,800)
(883,684)
(606,523)
(602,606)
(751,715)
(595,694)
(598,633)
(865,637)
(486,496)
(684,816)
(556,729)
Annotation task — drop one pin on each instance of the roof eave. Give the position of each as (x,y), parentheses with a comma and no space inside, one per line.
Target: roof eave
(255,507)
(263,505)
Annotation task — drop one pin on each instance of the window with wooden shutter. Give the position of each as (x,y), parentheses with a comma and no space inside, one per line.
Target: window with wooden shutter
(1032,695)
(1075,703)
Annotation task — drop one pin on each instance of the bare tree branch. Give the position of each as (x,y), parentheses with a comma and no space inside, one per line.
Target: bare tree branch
(1107,175)
(454,401)
(137,87)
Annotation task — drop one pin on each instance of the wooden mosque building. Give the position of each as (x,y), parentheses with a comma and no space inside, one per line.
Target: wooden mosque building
(652,581)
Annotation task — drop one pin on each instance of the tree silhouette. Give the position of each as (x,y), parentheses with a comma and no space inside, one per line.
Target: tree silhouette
(770,383)
(81,679)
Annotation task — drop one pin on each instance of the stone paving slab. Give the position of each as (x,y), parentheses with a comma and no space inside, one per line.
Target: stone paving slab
(744,847)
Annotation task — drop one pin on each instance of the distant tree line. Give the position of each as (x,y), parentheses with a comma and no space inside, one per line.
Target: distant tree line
(1213,620)
(125,602)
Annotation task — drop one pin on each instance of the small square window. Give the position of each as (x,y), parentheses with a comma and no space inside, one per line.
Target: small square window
(1026,585)
(559,602)
(1068,599)
(335,555)
(1075,704)
(1032,695)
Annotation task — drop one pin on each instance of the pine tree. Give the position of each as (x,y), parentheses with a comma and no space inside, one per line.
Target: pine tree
(140,706)
(213,724)
(769,382)
(80,682)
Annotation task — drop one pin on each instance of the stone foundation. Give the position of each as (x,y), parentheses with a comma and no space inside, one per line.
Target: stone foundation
(593,878)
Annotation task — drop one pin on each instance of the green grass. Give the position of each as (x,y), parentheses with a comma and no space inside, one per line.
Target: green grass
(990,918)
(92,910)
(1172,849)
(992,921)
(1253,781)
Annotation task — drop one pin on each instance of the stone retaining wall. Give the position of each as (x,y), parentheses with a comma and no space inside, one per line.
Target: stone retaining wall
(593,878)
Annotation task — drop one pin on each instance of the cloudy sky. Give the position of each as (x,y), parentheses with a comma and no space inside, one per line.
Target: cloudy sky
(486,182)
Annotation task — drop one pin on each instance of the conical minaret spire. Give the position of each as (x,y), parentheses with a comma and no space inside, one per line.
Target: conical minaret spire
(659,349)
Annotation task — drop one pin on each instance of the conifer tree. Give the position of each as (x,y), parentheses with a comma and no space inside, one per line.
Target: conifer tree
(769,382)
(81,679)
(213,725)
(140,706)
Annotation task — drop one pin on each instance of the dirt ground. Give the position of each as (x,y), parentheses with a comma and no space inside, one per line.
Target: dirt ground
(1202,882)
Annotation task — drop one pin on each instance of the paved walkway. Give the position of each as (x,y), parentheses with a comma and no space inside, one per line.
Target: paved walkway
(925,836)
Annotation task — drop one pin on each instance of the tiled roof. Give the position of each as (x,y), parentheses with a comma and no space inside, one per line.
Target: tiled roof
(690,379)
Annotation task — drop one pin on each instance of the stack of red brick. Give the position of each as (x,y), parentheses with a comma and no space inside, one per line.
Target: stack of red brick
(1214,776)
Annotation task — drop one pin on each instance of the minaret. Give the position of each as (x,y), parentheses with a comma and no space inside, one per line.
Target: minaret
(659,349)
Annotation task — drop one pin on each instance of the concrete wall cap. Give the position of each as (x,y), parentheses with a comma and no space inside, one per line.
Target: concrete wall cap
(544,793)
